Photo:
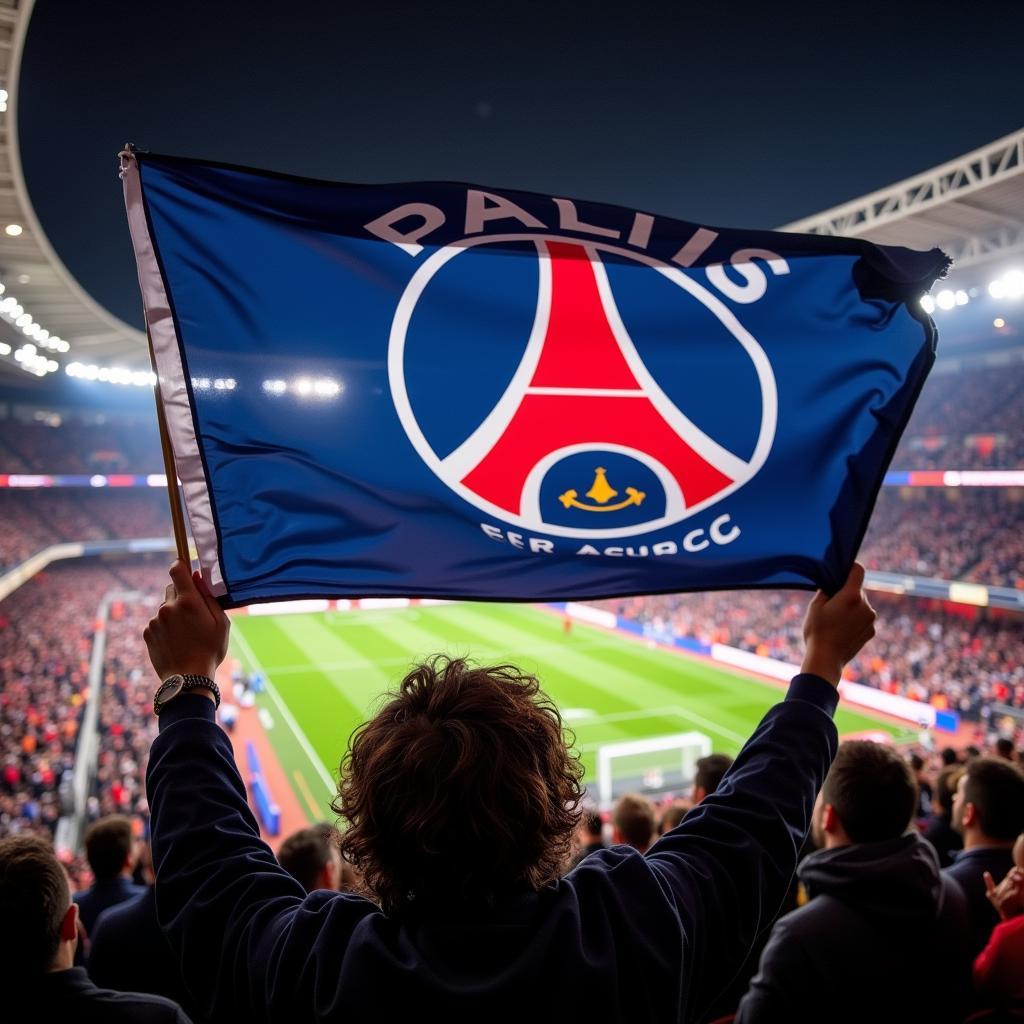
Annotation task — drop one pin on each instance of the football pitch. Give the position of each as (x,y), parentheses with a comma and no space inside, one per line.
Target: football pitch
(327,671)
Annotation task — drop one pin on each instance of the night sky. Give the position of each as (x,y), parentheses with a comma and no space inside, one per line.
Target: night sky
(725,113)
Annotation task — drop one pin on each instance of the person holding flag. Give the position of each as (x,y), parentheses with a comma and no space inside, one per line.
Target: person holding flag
(460,799)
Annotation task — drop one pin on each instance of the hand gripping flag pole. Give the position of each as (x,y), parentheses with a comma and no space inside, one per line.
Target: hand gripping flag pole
(128,166)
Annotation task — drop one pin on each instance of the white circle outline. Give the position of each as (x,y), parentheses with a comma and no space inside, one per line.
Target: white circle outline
(400,397)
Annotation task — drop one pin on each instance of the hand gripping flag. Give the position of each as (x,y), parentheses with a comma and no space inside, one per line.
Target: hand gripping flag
(443,390)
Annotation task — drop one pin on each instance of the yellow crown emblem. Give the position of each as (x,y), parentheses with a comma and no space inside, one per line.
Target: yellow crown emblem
(602,492)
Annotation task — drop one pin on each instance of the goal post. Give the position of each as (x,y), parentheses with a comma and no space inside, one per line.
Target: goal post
(635,762)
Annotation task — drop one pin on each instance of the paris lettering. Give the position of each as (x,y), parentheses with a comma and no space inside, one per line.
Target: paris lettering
(720,532)
(410,224)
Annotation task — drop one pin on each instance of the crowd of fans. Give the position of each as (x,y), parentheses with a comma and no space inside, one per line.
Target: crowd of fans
(953,656)
(962,658)
(35,519)
(51,443)
(973,534)
(969,419)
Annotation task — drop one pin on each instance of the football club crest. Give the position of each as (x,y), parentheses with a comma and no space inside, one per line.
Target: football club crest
(584,442)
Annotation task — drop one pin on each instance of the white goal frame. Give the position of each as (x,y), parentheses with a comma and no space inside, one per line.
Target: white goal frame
(691,746)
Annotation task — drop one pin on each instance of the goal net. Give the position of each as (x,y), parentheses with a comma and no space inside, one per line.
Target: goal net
(657,765)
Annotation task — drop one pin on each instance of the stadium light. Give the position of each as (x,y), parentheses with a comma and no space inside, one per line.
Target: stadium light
(927,303)
(961,297)
(110,374)
(13,312)
(5,349)
(999,322)
(1009,286)
(945,299)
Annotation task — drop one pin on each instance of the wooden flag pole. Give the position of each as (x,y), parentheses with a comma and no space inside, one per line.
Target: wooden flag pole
(173,493)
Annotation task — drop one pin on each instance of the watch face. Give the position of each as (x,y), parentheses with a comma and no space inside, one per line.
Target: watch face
(170,689)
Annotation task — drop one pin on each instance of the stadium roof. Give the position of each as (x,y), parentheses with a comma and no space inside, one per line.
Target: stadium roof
(971,207)
(30,269)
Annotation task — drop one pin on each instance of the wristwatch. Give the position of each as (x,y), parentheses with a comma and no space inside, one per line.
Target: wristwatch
(174,686)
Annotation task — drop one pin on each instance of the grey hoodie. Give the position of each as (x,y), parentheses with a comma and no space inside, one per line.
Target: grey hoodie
(883,937)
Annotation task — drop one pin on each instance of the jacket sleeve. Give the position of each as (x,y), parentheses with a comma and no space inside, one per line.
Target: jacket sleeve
(226,906)
(728,865)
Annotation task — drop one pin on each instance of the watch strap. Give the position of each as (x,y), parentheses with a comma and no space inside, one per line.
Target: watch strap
(205,682)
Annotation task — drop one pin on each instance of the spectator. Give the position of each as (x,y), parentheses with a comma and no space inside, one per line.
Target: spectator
(461,797)
(924,786)
(38,935)
(998,978)
(589,835)
(710,772)
(128,951)
(672,815)
(938,830)
(949,757)
(633,822)
(988,811)
(881,914)
(1005,749)
(110,850)
(312,857)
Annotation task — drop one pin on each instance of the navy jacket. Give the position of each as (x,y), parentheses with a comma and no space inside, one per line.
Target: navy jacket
(70,996)
(102,895)
(968,868)
(881,922)
(129,952)
(626,936)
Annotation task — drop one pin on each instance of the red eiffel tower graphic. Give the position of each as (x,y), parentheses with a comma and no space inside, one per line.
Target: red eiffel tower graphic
(583,392)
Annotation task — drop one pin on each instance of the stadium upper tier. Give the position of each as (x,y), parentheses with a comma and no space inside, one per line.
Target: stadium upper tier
(969,416)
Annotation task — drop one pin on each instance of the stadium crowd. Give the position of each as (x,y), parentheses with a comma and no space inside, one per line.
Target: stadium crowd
(918,860)
(972,418)
(951,655)
(973,534)
(967,809)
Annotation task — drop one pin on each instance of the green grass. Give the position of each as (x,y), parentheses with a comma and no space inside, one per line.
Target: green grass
(327,673)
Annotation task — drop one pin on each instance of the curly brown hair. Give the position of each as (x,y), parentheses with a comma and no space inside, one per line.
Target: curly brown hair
(462,786)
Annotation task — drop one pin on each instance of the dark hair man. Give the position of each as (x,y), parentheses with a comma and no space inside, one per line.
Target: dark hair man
(634,822)
(38,936)
(881,915)
(939,829)
(109,848)
(461,800)
(313,858)
(988,811)
(589,835)
(1006,750)
(710,772)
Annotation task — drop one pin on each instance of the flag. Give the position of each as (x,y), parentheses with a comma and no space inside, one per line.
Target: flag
(445,390)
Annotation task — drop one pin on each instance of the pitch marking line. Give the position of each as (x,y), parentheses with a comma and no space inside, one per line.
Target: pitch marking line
(674,711)
(303,739)
(353,665)
(300,781)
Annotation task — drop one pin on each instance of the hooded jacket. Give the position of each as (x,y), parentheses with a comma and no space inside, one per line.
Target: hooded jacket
(884,937)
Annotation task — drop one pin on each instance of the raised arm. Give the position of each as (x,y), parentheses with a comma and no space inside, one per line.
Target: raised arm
(728,865)
(240,926)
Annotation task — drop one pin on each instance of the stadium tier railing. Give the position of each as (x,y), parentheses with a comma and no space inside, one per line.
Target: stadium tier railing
(70,825)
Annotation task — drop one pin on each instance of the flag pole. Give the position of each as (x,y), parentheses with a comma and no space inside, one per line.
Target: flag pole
(173,492)
(125,159)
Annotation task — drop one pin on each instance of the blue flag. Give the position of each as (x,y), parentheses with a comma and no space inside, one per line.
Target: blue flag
(444,390)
